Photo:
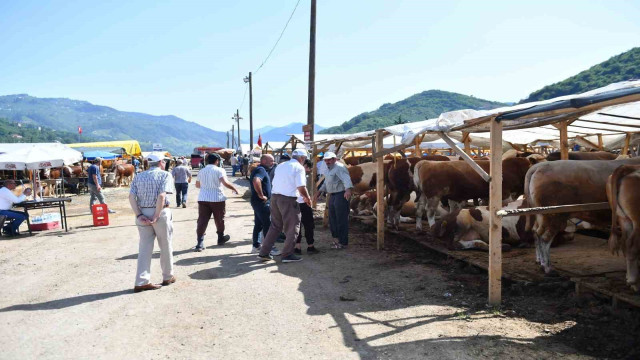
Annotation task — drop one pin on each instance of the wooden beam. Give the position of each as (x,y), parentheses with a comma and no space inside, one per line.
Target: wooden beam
(600,142)
(495,222)
(554,209)
(466,157)
(416,141)
(380,192)
(625,148)
(564,140)
(591,145)
(379,154)
(466,140)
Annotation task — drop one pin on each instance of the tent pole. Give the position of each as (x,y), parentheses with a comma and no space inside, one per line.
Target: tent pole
(380,190)
(495,222)
(600,143)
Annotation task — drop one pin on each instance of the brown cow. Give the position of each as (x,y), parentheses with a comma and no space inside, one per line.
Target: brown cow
(624,197)
(581,155)
(125,171)
(357,160)
(554,183)
(459,182)
(364,176)
(400,184)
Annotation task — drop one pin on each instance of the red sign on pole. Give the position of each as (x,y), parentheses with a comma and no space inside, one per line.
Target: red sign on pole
(307,136)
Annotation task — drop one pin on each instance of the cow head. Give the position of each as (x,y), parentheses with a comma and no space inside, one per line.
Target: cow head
(446,228)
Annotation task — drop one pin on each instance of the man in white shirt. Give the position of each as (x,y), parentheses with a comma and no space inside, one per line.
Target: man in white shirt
(211,199)
(234,164)
(289,182)
(7,199)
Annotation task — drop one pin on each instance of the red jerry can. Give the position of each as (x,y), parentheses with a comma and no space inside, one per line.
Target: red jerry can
(100,215)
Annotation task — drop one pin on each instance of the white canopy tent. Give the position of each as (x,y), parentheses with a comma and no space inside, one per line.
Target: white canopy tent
(37,156)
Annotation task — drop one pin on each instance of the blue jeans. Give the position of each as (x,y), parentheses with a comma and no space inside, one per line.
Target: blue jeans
(181,193)
(18,218)
(262,220)
(234,168)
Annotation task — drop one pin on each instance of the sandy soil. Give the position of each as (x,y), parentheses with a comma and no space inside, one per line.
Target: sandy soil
(69,295)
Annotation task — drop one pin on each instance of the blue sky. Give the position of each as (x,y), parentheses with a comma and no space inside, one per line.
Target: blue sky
(188,58)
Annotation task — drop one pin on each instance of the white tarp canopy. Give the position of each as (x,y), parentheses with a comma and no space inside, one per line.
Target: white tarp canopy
(160,154)
(35,156)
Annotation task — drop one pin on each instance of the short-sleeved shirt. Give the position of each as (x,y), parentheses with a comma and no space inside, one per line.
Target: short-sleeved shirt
(149,184)
(136,163)
(94,170)
(288,177)
(181,174)
(261,173)
(210,184)
(337,179)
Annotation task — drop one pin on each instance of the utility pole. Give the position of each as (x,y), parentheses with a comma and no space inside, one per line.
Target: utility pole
(249,80)
(233,137)
(312,71)
(237,118)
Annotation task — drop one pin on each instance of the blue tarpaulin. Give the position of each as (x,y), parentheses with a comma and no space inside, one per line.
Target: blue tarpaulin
(90,155)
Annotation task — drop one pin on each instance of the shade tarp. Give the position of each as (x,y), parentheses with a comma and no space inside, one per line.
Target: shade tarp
(132,147)
(161,154)
(91,155)
(36,156)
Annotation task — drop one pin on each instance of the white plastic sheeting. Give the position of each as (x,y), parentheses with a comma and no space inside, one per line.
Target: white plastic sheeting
(36,156)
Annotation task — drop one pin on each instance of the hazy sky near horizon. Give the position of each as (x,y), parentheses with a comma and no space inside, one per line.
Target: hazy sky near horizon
(188,58)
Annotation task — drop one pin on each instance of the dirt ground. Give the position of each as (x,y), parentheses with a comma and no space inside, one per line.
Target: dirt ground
(69,295)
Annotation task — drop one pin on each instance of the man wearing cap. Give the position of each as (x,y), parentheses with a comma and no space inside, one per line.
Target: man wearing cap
(337,182)
(95,184)
(211,199)
(182,176)
(149,201)
(289,182)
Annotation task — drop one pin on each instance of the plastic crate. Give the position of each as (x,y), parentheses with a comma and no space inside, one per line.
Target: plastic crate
(100,215)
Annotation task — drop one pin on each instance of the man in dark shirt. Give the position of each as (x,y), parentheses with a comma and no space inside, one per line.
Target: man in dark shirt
(260,195)
(95,184)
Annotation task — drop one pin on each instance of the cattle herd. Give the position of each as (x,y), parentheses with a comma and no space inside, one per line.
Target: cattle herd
(444,188)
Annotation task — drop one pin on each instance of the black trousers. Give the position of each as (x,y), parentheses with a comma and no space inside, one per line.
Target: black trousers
(307,222)
(339,217)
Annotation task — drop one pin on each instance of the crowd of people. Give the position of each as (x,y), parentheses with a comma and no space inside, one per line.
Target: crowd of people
(279,198)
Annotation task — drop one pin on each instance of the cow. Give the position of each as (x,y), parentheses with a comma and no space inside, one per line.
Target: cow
(125,171)
(555,183)
(581,155)
(624,198)
(469,229)
(400,184)
(364,176)
(363,204)
(459,182)
(352,160)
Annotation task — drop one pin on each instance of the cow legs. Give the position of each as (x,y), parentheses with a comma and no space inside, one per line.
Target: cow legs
(543,252)
(432,209)
(632,257)
(422,202)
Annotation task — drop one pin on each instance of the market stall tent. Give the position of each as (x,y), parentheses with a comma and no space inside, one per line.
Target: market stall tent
(35,156)
(132,147)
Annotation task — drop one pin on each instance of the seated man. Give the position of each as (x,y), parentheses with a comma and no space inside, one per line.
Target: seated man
(7,199)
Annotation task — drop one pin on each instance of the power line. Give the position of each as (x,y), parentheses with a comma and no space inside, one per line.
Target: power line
(280,37)
(246,87)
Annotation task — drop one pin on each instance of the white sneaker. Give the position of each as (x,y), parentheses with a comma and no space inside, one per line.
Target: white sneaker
(255,250)
(274,252)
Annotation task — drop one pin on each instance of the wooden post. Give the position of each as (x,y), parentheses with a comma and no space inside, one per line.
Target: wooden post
(564,141)
(380,191)
(600,142)
(467,142)
(495,222)
(314,174)
(417,140)
(625,148)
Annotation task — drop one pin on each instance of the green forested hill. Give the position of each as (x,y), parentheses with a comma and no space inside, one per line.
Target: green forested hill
(104,123)
(425,105)
(621,67)
(10,132)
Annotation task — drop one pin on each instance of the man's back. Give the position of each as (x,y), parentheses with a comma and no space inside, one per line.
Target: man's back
(261,173)
(181,174)
(210,185)
(288,177)
(149,184)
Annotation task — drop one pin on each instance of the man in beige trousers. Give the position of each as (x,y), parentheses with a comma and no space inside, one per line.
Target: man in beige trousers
(150,204)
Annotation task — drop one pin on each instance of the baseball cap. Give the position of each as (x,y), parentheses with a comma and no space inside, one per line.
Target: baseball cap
(299,152)
(153,158)
(329,155)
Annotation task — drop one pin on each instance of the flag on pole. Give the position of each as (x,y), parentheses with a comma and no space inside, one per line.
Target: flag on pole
(79,130)
(260,140)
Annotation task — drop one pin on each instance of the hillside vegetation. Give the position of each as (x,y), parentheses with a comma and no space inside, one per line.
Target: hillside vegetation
(10,132)
(625,66)
(425,105)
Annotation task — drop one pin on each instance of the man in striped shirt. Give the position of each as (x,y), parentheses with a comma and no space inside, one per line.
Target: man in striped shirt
(211,199)
(149,201)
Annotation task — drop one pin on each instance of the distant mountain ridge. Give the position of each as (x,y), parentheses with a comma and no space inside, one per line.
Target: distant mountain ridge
(625,66)
(104,123)
(425,105)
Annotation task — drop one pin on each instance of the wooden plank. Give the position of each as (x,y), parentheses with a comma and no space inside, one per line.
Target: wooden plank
(554,209)
(625,148)
(380,192)
(416,141)
(495,222)
(564,141)
(466,140)
(384,152)
(591,145)
(466,157)
(600,142)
